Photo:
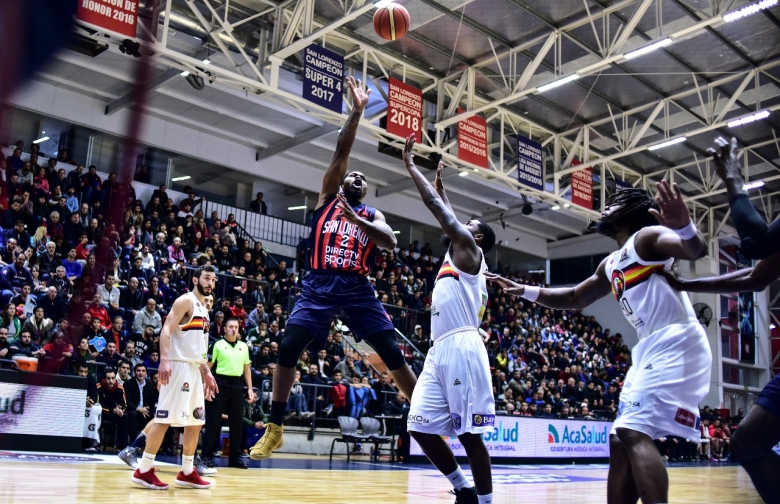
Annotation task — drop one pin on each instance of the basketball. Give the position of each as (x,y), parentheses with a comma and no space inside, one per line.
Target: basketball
(391,22)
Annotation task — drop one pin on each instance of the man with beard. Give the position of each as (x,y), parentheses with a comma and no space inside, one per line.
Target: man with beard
(672,361)
(346,234)
(185,382)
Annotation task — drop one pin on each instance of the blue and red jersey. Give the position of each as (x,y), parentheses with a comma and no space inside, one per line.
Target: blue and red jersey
(340,246)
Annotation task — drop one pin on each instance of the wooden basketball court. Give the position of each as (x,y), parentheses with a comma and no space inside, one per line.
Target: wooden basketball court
(85,479)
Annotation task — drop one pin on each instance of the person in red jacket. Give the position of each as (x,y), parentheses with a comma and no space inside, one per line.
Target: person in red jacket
(238,311)
(58,354)
(338,396)
(98,311)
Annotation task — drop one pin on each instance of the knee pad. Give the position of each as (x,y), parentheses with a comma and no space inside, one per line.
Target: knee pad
(386,345)
(295,339)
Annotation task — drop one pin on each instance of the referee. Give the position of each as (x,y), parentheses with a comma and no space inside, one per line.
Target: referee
(230,364)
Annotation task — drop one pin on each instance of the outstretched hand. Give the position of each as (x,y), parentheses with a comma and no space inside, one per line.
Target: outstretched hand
(346,210)
(438,184)
(409,148)
(674,213)
(359,96)
(510,287)
(726,158)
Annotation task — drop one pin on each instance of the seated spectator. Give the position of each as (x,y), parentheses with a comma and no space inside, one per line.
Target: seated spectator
(148,317)
(5,345)
(99,312)
(58,354)
(129,354)
(360,397)
(49,260)
(38,326)
(13,276)
(10,322)
(145,341)
(109,356)
(116,332)
(24,345)
(111,397)
(297,402)
(256,316)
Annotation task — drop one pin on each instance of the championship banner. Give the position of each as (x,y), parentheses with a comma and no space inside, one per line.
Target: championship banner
(472,140)
(119,16)
(530,163)
(323,77)
(524,437)
(582,187)
(404,109)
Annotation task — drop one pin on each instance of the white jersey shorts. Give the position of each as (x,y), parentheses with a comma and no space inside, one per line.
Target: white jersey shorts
(670,375)
(182,401)
(454,393)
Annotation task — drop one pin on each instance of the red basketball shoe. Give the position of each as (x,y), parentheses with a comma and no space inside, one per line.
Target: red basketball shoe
(192,480)
(148,480)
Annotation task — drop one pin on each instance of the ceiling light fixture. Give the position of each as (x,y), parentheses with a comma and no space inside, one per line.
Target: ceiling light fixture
(42,139)
(463,174)
(748,10)
(749,119)
(648,48)
(300,207)
(667,143)
(396,232)
(555,207)
(753,185)
(556,83)
(185,73)
(206,61)
(179,179)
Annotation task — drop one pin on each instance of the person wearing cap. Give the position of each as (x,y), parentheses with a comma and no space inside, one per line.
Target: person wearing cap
(230,363)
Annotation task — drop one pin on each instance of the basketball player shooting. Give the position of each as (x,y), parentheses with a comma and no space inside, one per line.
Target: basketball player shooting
(346,234)
(185,382)
(672,361)
(454,395)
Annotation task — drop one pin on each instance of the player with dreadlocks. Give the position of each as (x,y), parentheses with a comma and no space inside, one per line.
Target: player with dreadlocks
(672,361)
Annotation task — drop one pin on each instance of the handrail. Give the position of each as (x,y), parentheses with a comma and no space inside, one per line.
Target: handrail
(358,352)
(410,343)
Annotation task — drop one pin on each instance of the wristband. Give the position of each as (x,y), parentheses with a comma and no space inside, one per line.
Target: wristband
(531,293)
(687,232)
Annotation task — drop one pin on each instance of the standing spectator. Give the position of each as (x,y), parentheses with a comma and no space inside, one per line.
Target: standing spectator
(258,205)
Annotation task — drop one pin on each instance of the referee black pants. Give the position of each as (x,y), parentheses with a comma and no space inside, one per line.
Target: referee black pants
(230,401)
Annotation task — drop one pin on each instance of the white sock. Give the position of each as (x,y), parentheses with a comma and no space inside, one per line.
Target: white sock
(147,462)
(485,499)
(458,479)
(187,464)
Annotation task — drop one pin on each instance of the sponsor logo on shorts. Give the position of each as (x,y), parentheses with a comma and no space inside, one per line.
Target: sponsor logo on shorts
(198,412)
(418,419)
(185,415)
(161,414)
(456,423)
(483,420)
(649,366)
(185,387)
(686,418)
(457,382)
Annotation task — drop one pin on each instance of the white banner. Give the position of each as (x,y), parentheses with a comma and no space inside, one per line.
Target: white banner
(523,437)
(44,411)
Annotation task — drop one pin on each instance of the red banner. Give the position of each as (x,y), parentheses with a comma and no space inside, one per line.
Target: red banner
(582,187)
(119,16)
(472,140)
(404,109)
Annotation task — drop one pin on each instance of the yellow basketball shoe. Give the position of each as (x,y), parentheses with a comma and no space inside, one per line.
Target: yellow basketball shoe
(272,440)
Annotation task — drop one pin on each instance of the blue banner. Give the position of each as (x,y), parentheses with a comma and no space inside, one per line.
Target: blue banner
(530,163)
(323,77)
(620,185)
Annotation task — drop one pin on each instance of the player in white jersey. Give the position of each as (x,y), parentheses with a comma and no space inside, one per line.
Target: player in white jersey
(454,393)
(185,382)
(672,361)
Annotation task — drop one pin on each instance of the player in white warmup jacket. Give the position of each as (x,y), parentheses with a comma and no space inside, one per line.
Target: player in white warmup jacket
(672,361)
(454,393)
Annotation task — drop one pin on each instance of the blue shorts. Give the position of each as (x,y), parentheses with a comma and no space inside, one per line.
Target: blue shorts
(770,396)
(349,297)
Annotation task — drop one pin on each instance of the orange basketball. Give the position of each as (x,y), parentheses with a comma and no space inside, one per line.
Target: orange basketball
(391,22)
